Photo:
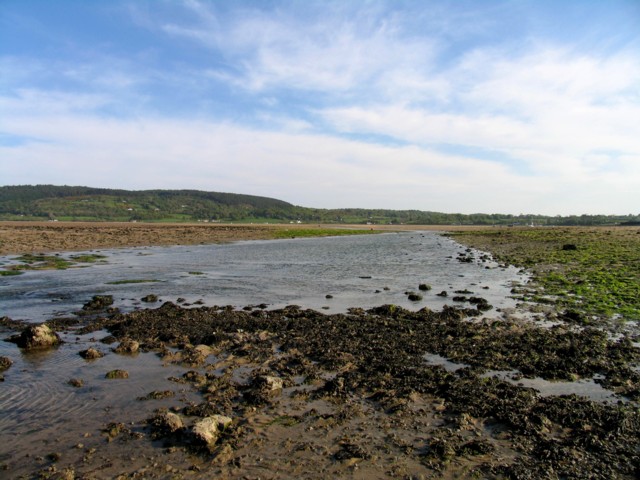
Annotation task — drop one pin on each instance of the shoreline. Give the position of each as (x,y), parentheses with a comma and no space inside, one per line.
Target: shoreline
(45,237)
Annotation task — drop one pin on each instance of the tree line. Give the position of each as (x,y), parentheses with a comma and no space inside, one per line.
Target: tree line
(51,202)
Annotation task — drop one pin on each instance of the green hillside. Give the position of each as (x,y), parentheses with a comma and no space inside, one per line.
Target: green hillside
(64,203)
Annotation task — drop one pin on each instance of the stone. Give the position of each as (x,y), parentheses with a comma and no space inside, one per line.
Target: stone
(91,354)
(127,346)
(37,337)
(208,429)
(98,302)
(268,383)
(151,298)
(76,382)
(117,374)
(5,363)
(167,423)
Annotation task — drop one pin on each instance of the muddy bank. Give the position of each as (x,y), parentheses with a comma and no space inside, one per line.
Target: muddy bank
(311,395)
(32,237)
(29,237)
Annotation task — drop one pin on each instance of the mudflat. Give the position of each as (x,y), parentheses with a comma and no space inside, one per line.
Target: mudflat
(32,237)
(377,393)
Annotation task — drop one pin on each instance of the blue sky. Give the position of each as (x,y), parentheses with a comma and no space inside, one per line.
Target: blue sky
(453,106)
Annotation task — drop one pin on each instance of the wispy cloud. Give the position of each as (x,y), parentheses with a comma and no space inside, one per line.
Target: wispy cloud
(481,107)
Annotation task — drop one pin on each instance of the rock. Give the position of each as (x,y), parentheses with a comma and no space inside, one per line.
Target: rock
(91,354)
(569,246)
(76,382)
(208,429)
(424,287)
(442,294)
(98,302)
(268,383)
(151,298)
(5,363)
(36,337)
(166,423)
(328,296)
(117,374)
(414,297)
(127,346)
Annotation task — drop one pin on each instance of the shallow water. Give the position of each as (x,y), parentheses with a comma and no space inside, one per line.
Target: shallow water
(359,271)
(38,408)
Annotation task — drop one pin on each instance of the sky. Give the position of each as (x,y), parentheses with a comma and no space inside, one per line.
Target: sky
(483,106)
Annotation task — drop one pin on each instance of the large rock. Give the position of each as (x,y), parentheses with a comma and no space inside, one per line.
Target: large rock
(36,337)
(208,429)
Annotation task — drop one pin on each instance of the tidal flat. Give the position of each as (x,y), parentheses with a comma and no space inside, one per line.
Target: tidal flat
(372,392)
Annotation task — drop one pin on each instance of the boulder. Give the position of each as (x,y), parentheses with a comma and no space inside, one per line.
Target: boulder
(208,429)
(151,298)
(36,337)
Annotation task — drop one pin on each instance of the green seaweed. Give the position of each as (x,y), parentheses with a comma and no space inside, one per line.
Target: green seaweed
(599,278)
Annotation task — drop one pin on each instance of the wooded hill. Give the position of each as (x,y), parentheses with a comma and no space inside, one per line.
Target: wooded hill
(64,203)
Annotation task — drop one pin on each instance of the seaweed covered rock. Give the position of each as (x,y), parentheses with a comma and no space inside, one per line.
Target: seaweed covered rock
(36,337)
(98,302)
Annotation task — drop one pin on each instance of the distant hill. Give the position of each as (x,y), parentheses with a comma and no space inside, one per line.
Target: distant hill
(51,202)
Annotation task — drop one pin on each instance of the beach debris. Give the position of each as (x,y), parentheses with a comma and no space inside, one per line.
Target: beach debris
(36,337)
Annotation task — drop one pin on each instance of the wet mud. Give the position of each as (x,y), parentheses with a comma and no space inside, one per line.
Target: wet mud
(295,393)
